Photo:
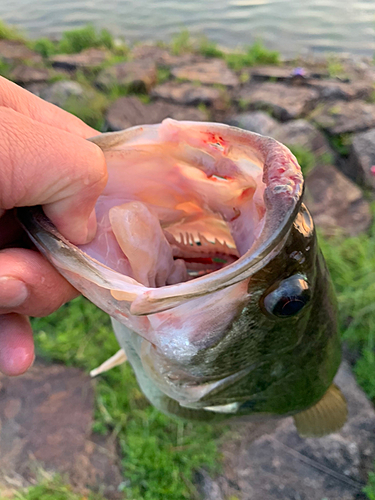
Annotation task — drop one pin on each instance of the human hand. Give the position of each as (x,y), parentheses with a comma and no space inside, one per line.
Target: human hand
(44,160)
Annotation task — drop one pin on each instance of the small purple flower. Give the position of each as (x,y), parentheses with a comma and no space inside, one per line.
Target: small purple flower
(298,72)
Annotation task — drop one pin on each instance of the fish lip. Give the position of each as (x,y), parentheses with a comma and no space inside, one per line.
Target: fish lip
(282,190)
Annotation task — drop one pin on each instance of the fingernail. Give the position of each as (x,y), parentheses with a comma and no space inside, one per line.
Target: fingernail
(91,227)
(13,292)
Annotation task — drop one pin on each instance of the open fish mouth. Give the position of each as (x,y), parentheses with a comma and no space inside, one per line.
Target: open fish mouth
(190,212)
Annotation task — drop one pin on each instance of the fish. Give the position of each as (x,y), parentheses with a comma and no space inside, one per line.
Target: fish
(207,261)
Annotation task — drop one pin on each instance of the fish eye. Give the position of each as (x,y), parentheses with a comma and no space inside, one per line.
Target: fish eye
(289,298)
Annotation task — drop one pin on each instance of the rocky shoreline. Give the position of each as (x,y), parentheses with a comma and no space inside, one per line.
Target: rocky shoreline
(322,108)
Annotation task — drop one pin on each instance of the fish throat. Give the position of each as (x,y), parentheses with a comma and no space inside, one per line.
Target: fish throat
(179,211)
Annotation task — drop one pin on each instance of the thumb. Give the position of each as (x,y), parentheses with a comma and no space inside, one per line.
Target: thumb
(44,165)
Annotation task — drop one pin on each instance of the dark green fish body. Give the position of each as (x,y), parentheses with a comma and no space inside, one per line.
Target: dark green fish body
(287,364)
(208,262)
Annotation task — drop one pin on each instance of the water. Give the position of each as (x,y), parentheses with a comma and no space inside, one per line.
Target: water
(290,26)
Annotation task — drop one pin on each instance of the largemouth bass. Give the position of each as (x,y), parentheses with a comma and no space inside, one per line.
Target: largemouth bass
(207,261)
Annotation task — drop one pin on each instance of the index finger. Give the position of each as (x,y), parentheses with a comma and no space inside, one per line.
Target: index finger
(42,165)
(20,100)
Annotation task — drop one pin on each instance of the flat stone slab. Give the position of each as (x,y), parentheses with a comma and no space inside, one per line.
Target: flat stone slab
(187,93)
(162,57)
(89,58)
(254,121)
(279,73)
(24,74)
(59,92)
(335,89)
(303,134)
(270,461)
(285,102)
(12,51)
(139,75)
(299,133)
(336,203)
(340,117)
(362,159)
(46,417)
(129,111)
(209,72)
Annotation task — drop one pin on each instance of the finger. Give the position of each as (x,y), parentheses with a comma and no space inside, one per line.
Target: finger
(30,285)
(43,165)
(16,344)
(14,97)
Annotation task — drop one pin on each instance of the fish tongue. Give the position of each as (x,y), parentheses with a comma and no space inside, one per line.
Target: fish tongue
(141,238)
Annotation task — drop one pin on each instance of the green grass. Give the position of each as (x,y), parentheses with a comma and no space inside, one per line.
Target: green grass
(305,158)
(72,41)
(341,143)
(163,75)
(45,47)
(83,38)
(90,108)
(369,489)
(181,42)
(53,488)
(351,262)
(335,67)
(76,40)
(10,32)
(254,54)
(5,69)
(159,453)
(208,48)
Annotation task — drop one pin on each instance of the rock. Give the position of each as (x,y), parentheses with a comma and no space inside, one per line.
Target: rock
(255,121)
(36,87)
(59,92)
(335,202)
(342,117)
(285,102)
(272,72)
(24,74)
(12,51)
(208,489)
(46,416)
(162,57)
(335,89)
(299,133)
(209,72)
(137,75)
(303,134)
(362,159)
(129,111)
(187,93)
(89,58)
(269,461)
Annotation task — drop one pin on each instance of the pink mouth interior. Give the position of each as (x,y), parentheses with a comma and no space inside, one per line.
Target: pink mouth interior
(173,211)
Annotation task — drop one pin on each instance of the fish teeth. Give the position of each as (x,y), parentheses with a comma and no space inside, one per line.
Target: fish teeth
(218,244)
(204,241)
